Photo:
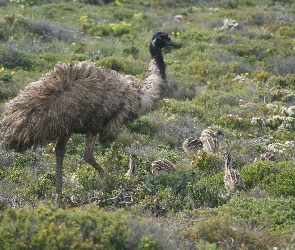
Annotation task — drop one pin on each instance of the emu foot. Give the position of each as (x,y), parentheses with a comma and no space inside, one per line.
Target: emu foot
(58,199)
(101,172)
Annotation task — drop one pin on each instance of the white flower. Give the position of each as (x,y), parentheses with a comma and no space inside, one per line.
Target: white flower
(291,110)
(256,121)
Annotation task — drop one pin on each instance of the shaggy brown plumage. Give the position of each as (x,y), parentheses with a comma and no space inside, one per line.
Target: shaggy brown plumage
(81,98)
(72,98)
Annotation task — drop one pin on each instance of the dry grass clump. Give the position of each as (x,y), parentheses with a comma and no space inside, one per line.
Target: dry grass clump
(12,57)
(282,66)
(49,30)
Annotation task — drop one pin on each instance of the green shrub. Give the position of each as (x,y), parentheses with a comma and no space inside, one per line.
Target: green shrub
(141,125)
(78,47)
(13,57)
(121,64)
(273,213)
(281,184)
(98,30)
(147,242)
(3,35)
(120,29)
(246,50)
(286,32)
(204,194)
(50,228)
(88,178)
(5,76)
(183,107)
(131,51)
(276,179)
(4,94)
(233,122)
(45,185)
(204,161)
(230,231)
(121,13)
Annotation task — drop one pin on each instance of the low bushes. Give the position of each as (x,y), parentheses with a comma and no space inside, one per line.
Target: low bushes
(52,228)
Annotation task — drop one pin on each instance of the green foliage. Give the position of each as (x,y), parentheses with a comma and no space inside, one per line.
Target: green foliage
(204,161)
(12,58)
(276,179)
(4,94)
(49,227)
(204,194)
(3,35)
(98,30)
(116,29)
(120,64)
(213,228)
(273,213)
(240,79)
(79,47)
(141,125)
(183,107)
(146,242)
(233,122)
(131,51)
(6,77)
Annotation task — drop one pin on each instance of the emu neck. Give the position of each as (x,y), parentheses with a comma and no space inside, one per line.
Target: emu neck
(156,54)
(227,165)
(154,83)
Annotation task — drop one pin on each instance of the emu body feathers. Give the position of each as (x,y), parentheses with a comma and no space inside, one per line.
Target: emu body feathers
(72,98)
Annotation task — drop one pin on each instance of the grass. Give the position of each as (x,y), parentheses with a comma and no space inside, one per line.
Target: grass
(239,80)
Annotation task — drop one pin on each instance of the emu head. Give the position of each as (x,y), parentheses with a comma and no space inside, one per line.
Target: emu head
(219,133)
(227,158)
(133,156)
(161,39)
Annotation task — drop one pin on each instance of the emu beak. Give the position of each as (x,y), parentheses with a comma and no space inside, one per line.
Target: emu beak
(170,43)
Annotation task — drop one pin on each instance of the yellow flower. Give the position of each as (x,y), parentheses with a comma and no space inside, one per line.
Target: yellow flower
(137,15)
(126,24)
(83,18)
(118,3)
(2,69)
(12,72)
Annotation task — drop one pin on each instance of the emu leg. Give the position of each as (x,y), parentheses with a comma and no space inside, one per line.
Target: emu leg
(60,150)
(88,153)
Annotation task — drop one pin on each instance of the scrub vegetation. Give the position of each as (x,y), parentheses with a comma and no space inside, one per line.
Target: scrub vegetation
(234,71)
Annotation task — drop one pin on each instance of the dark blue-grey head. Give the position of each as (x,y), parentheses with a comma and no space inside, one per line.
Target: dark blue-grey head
(161,39)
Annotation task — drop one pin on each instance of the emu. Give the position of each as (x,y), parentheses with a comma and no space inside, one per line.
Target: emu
(82,98)
(132,166)
(268,156)
(161,165)
(211,140)
(192,144)
(233,181)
